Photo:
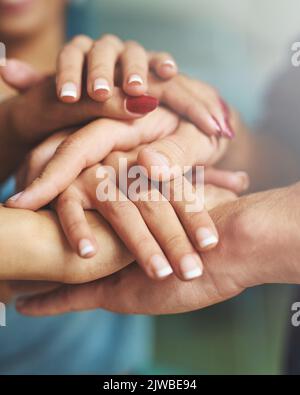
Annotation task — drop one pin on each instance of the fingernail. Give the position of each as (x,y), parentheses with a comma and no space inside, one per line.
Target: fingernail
(141,104)
(215,124)
(101,85)
(160,266)
(69,89)
(225,107)
(227,131)
(223,130)
(169,63)
(243,180)
(85,248)
(135,79)
(206,238)
(191,267)
(15,197)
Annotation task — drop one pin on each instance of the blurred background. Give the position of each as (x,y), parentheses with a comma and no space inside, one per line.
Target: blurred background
(244,49)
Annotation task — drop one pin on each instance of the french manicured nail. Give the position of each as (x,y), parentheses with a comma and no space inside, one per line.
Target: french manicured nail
(191,267)
(160,266)
(101,85)
(243,180)
(85,248)
(135,79)
(169,63)
(141,104)
(15,197)
(69,89)
(206,238)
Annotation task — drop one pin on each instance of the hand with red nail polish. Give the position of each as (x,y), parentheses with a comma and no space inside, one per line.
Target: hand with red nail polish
(197,101)
(44,114)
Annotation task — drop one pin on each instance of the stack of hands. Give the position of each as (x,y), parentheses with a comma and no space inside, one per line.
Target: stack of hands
(111,102)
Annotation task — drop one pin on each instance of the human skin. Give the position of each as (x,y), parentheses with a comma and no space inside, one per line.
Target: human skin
(244,259)
(45,255)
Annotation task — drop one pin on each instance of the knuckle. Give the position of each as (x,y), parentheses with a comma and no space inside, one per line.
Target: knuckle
(133,67)
(191,108)
(132,44)
(121,209)
(110,39)
(113,159)
(164,55)
(34,159)
(63,200)
(72,143)
(153,206)
(99,67)
(181,79)
(142,241)
(174,150)
(67,52)
(175,242)
(81,41)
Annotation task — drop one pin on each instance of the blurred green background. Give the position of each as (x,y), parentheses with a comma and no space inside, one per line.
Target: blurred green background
(238,46)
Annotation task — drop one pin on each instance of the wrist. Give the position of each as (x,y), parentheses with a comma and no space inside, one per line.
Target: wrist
(259,238)
(277,236)
(290,256)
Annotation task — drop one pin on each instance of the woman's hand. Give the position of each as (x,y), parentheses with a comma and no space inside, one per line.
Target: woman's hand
(36,112)
(181,143)
(163,235)
(107,60)
(82,195)
(110,63)
(252,252)
(196,101)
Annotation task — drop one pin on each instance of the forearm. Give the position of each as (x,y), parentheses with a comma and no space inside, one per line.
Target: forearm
(261,156)
(33,247)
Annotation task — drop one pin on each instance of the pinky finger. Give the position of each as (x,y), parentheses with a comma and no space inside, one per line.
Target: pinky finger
(75,226)
(163,65)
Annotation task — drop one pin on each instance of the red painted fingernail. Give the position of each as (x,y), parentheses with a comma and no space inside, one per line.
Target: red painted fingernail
(141,104)
(227,131)
(225,107)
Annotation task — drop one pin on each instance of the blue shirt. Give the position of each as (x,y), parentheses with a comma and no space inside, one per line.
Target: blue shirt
(75,343)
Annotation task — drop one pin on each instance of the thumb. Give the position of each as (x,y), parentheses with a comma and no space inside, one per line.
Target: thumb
(20,75)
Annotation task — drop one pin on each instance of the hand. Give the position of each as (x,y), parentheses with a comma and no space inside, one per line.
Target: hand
(181,143)
(36,112)
(105,59)
(10,290)
(159,231)
(195,100)
(252,252)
